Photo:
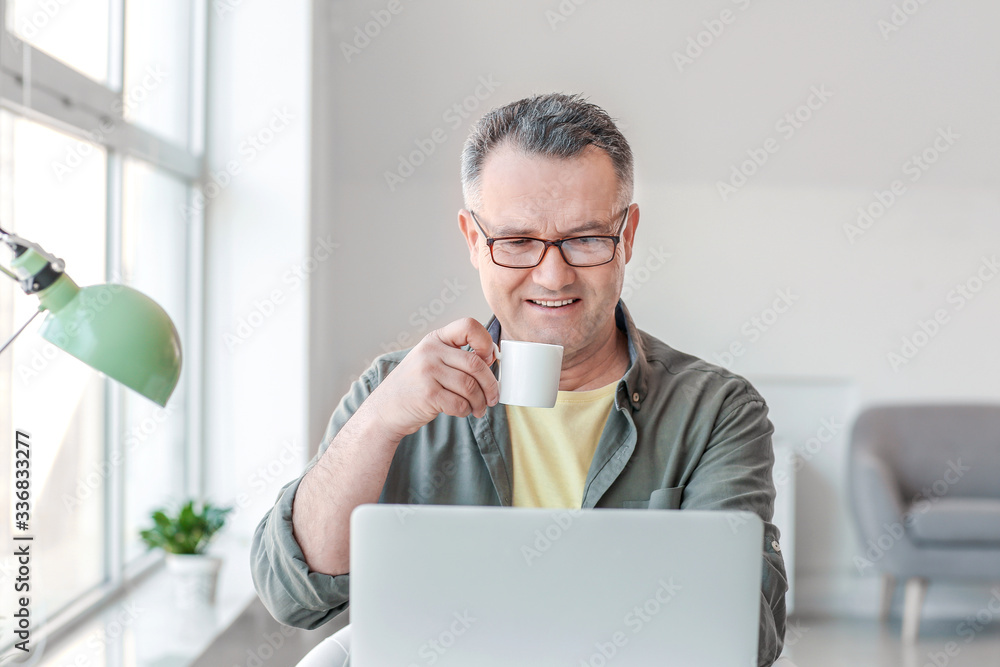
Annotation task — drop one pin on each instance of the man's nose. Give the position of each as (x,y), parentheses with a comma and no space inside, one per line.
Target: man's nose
(553,273)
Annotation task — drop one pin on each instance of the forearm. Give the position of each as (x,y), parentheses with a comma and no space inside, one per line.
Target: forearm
(351,472)
(436,377)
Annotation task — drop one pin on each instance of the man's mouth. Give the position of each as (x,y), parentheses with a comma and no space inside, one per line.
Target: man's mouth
(553,304)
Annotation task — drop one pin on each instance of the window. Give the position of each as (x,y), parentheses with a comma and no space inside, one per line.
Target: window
(158,50)
(154,246)
(75,33)
(52,396)
(99,156)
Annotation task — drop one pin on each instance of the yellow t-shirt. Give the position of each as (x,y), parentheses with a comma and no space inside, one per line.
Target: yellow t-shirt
(553,447)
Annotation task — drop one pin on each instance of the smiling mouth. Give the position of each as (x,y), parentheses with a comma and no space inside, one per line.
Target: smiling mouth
(553,304)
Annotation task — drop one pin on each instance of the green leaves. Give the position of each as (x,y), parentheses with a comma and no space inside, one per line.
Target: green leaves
(189,532)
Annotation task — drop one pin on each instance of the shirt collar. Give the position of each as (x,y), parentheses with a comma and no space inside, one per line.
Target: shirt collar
(632,387)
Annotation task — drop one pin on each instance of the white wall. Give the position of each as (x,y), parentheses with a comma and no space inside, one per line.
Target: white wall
(256,236)
(886,99)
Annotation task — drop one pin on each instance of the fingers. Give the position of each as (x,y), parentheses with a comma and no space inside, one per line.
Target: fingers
(438,376)
(465,373)
(460,393)
(468,331)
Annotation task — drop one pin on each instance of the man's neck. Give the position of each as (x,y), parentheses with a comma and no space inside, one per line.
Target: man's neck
(592,369)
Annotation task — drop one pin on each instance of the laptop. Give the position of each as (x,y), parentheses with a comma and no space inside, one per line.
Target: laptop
(490,586)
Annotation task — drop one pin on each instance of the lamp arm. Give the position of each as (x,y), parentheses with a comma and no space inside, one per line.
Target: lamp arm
(18,332)
(47,267)
(20,246)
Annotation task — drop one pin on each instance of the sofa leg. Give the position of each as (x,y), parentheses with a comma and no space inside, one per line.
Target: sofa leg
(885,603)
(916,589)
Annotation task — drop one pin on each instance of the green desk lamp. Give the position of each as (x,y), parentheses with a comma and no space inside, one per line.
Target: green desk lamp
(112,328)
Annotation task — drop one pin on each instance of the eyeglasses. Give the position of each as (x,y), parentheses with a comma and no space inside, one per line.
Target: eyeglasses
(525,252)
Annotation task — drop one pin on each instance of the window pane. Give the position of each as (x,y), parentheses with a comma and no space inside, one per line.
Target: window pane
(55,398)
(158,66)
(154,244)
(74,32)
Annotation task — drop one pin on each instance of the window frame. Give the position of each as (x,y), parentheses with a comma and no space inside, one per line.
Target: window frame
(60,97)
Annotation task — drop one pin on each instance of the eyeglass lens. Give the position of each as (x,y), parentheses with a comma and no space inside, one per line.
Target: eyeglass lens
(581,251)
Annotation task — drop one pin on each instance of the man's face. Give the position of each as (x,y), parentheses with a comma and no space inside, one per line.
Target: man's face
(531,195)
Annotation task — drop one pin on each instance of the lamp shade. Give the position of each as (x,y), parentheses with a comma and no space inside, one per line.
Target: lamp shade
(116,330)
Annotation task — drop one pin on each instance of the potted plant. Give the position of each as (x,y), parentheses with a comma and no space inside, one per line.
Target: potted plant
(185,537)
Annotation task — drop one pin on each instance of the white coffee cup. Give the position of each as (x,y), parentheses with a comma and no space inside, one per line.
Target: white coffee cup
(529,373)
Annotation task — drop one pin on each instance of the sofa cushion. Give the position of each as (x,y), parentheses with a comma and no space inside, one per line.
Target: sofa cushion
(966,520)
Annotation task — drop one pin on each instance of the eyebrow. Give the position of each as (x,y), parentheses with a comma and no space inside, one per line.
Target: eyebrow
(593,225)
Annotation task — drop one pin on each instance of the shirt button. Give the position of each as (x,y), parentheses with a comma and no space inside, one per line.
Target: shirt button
(776,546)
(635,397)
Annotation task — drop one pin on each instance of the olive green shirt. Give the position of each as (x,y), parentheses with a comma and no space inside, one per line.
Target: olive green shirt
(683,434)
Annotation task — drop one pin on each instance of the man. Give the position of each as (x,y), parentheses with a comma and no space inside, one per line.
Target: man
(638,424)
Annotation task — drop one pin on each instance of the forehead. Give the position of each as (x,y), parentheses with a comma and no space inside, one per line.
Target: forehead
(531,188)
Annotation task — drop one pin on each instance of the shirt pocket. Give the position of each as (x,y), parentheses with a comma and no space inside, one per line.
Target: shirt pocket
(660,499)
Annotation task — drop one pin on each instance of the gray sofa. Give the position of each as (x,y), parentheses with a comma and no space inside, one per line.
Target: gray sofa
(925,492)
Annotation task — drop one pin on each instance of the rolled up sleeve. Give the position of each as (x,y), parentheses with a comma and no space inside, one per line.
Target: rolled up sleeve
(293,593)
(734,473)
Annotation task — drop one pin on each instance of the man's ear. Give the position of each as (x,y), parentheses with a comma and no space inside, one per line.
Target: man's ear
(471,235)
(628,234)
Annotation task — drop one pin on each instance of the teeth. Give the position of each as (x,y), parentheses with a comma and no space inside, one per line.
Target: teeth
(553,304)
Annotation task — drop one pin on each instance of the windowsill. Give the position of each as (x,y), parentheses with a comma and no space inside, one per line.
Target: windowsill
(142,627)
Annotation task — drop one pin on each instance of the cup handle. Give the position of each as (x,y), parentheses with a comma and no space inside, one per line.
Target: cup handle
(496,358)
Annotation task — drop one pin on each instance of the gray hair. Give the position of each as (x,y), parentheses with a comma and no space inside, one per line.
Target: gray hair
(553,125)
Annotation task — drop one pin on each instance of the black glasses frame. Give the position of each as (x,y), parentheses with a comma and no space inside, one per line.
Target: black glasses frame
(558,243)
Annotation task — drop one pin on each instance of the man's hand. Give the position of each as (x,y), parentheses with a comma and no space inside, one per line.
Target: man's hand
(438,376)
(435,376)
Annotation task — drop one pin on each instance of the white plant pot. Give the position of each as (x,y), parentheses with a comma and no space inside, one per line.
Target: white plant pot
(194,578)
